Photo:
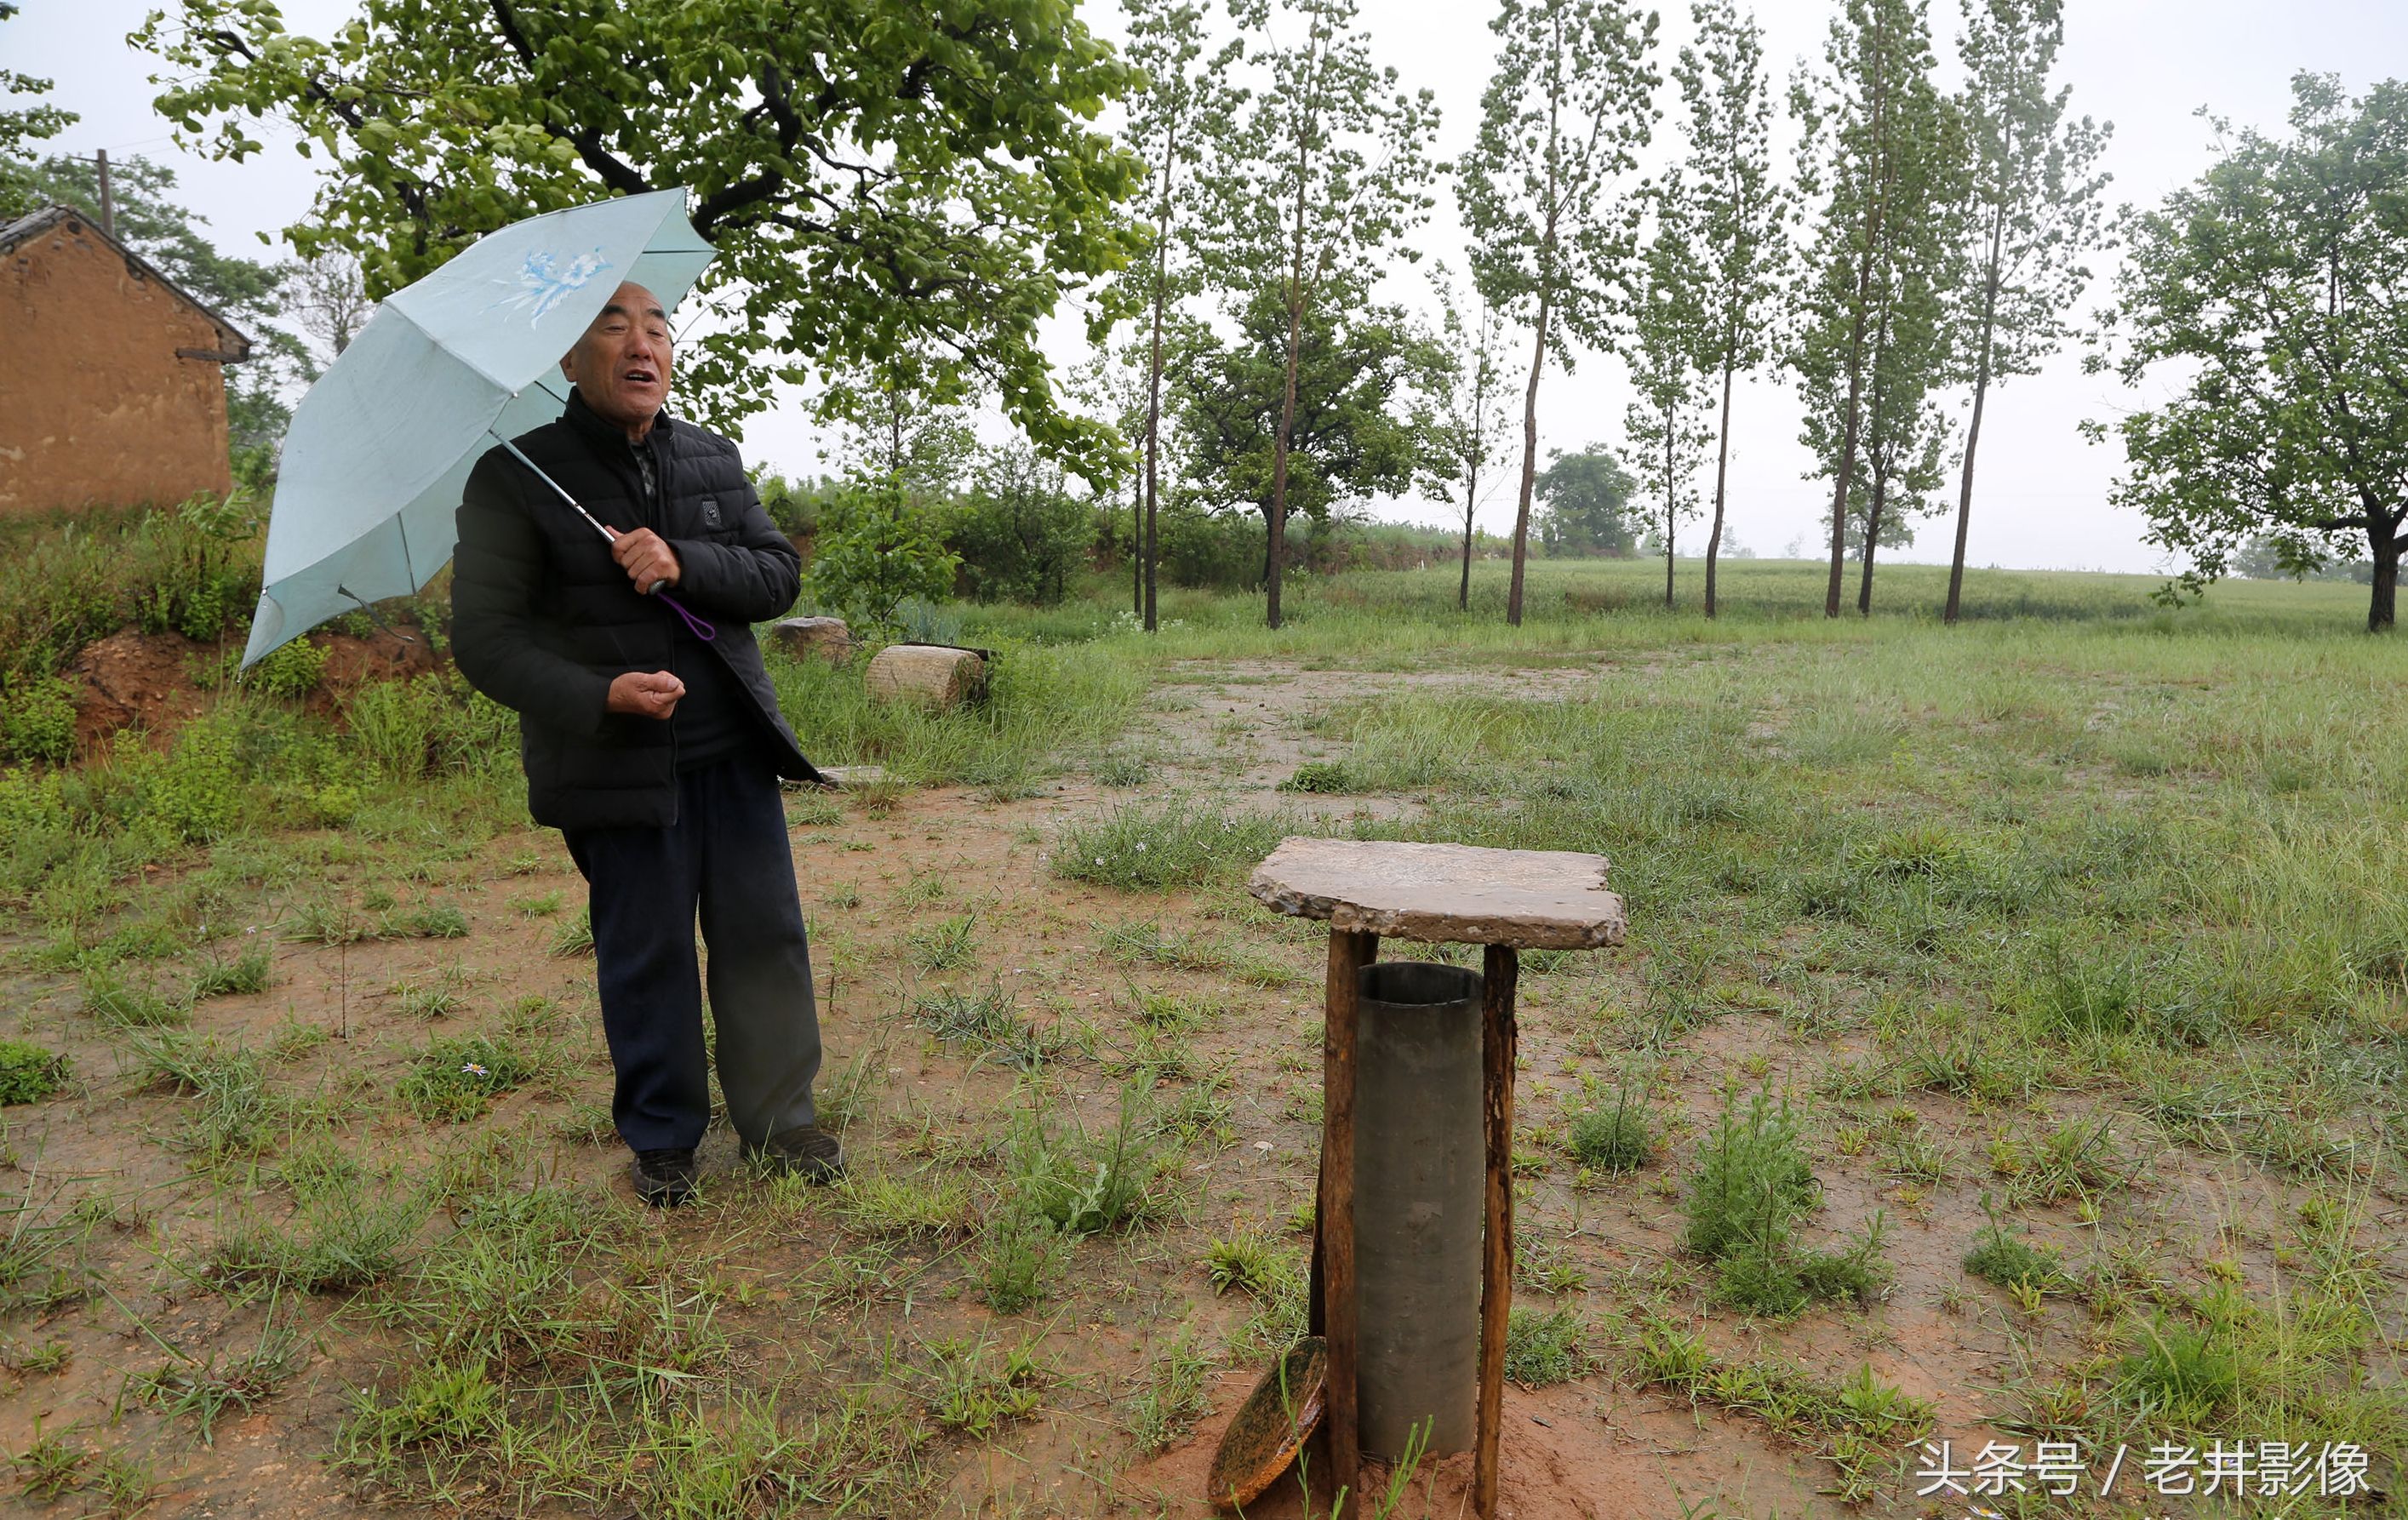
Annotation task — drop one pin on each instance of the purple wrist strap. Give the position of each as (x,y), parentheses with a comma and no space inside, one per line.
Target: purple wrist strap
(695,625)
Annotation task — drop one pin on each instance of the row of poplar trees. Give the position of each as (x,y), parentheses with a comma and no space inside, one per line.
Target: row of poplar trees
(1924,246)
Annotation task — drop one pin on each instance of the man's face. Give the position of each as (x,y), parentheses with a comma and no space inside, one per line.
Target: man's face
(622,364)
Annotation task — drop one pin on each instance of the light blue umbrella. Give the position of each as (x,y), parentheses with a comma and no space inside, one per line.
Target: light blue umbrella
(469,356)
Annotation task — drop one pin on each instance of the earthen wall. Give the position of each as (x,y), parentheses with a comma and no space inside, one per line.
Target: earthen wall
(96,408)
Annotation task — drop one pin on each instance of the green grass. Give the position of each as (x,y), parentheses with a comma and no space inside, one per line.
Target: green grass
(1150,845)
(2091,905)
(29,1074)
(457,1077)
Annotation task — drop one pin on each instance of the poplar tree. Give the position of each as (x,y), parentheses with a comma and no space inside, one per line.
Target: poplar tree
(1878,149)
(2034,208)
(1179,111)
(1313,187)
(1563,114)
(1667,425)
(1469,395)
(1739,212)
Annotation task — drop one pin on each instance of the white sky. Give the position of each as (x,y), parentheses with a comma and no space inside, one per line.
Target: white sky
(2041,492)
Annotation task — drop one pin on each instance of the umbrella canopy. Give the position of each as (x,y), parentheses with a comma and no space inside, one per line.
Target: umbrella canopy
(381,447)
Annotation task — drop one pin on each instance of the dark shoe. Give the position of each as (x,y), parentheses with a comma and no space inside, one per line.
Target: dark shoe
(665,1178)
(807,1152)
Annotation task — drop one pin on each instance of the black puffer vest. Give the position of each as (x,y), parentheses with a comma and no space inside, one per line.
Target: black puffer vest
(544,619)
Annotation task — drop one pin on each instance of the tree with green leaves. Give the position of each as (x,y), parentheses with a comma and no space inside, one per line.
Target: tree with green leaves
(1882,149)
(1313,190)
(20,126)
(1468,393)
(2271,294)
(1666,424)
(1173,117)
(906,419)
(875,549)
(1561,120)
(1739,214)
(876,176)
(1586,495)
(2035,206)
(1281,426)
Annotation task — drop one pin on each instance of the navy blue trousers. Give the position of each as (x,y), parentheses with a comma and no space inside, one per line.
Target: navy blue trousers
(726,860)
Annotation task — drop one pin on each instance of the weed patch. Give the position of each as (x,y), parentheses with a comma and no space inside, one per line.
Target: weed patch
(456,1079)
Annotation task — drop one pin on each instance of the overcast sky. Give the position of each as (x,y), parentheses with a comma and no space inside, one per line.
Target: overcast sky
(2145,65)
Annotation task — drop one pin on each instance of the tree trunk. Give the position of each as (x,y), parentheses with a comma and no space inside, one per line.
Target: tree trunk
(1847,459)
(1721,473)
(2382,609)
(1873,541)
(1669,425)
(1529,464)
(1973,427)
(1150,542)
(1470,506)
(1275,566)
(1136,550)
(1846,472)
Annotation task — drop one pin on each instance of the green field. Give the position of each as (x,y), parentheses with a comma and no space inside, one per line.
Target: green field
(2009,1046)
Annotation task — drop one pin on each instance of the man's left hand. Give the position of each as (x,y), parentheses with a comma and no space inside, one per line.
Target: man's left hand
(647,558)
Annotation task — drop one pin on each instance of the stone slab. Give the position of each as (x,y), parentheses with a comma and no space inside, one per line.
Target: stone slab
(842,777)
(1458,893)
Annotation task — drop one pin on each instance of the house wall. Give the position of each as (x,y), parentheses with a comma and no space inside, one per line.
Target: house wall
(95,407)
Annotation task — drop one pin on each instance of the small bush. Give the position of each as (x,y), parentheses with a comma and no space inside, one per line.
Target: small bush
(1615,1139)
(196,789)
(1020,1257)
(1087,1183)
(245,973)
(439,1405)
(203,574)
(975,1391)
(1752,1179)
(875,548)
(393,726)
(2180,1373)
(36,719)
(1020,534)
(2012,1261)
(1753,1183)
(29,1074)
(1319,776)
(947,946)
(1245,1261)
(289,670)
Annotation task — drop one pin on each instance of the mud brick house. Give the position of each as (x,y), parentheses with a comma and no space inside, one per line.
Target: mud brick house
(113,393)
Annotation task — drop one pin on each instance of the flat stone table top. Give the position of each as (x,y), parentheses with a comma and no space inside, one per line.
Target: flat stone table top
(1460,893)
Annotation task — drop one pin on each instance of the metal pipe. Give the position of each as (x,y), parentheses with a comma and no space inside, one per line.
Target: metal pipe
(1418,1157)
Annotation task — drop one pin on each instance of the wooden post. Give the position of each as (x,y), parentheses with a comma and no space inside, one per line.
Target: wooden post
(1334,1212)
(1500,966)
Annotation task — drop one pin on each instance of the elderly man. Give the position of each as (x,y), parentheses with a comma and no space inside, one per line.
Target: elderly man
(655,751)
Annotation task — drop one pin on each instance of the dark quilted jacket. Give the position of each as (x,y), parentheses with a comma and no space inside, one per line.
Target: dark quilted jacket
(544,619)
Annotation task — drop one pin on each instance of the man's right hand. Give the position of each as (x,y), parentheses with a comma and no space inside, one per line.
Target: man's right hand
(645,693)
